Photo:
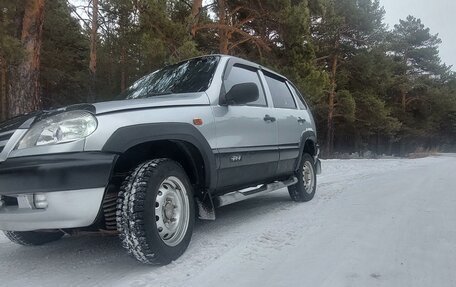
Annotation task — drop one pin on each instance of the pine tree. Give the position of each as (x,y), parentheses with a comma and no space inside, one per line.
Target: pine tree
(418,65)
(24,91)
(345,27)
(416,51)
(64,57)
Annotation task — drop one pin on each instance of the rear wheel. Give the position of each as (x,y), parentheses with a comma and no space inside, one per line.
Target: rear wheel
(31,238)
(155,212)
(304,189)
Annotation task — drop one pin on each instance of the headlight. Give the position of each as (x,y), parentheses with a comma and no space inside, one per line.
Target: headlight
(60,128)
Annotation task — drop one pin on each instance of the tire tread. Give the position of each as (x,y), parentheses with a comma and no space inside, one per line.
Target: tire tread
(130,213)
(297,191)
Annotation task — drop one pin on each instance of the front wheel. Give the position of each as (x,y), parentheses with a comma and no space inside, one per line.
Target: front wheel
(304,189)
(155,212)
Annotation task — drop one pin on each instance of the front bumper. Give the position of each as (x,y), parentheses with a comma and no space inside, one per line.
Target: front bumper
(66,209)
(53,191)
(55,172)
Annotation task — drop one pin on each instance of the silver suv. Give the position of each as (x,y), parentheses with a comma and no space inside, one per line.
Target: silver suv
(180,142)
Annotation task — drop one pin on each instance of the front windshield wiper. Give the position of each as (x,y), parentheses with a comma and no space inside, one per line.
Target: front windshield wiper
(150,95)
(160,94)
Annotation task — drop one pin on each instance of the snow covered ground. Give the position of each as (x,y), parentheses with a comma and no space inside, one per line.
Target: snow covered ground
(385,222)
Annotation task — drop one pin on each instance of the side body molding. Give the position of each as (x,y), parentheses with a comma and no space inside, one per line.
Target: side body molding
(127,137)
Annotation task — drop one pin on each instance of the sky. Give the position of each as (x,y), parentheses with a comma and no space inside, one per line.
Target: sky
(438,15)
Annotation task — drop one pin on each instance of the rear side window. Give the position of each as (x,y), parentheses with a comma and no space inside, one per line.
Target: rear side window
(281,95)
(302,104)
(239,75)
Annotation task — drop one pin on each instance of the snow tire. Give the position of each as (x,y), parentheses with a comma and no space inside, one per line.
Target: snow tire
(299,192)
(136,208)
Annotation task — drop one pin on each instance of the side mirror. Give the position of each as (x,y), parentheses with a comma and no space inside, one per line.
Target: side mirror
(240,94)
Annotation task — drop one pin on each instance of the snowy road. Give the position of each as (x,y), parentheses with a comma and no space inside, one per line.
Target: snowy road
(372,223)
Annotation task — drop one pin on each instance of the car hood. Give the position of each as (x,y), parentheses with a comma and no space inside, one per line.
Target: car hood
(172,100)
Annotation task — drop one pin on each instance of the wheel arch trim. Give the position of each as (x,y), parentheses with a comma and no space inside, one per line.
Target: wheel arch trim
(127,137)
(308,135)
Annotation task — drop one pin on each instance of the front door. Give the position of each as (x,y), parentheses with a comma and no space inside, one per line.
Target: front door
(247,136)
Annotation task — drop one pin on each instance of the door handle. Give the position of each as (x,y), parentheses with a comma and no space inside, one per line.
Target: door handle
(268,118)
(301,120)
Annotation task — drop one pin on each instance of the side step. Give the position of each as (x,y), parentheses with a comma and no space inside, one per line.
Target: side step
(251,192)
(206,208)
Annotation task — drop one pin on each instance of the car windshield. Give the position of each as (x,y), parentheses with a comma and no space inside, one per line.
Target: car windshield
(190,76)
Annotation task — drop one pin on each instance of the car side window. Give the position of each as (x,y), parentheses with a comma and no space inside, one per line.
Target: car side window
(301,103)
(239,75)
(281,94)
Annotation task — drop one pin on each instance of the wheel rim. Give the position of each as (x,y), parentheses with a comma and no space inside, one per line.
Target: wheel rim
(172,211)
(308,177)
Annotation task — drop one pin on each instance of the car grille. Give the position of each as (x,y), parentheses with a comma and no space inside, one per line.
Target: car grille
(7,130)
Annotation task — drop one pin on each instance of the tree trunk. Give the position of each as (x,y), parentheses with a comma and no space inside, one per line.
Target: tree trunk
(3,91)
(223,44)
(377,144)
(196,11)
(3,94)
(358,141)
(112,80)
(24,90)
(123,74)
(123,27)
(93,52)
(331,107)
(403,100)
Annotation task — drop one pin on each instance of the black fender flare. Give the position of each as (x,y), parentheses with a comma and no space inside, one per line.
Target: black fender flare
(127,137)
(307,135)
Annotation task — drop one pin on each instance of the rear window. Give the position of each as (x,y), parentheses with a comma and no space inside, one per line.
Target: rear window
(281,95)
(302,104)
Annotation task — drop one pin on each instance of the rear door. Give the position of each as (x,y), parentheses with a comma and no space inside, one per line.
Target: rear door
(290,120)
(304,109)
(247,135)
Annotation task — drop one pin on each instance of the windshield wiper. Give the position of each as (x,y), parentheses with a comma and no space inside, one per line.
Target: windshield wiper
(159,94)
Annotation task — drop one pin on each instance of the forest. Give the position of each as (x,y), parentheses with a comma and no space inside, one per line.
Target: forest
(372,88)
